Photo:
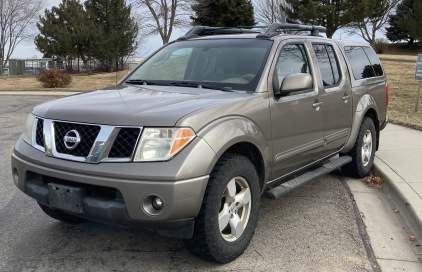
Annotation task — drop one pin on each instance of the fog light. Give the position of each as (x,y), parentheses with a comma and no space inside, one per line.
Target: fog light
(157,203)
(153,205)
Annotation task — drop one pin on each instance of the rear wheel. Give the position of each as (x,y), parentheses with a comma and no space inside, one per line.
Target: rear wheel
(363,152)
(229,212)
(61,216)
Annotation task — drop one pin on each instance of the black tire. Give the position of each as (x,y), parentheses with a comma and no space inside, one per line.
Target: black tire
(360,167)
(208,242)
(61,216)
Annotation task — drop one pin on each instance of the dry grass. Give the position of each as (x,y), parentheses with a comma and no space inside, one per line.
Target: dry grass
(403,91)
(391,57)
(79,82)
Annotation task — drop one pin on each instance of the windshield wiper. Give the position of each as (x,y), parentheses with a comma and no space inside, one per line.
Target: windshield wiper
(144,82)
(179,84)
(199,85)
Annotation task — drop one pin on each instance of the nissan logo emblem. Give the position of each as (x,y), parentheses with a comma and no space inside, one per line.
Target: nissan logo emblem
(72,139)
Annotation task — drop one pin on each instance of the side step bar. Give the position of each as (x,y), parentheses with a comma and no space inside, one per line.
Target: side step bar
(301,180)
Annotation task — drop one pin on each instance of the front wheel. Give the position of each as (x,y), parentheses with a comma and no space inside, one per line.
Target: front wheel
(229,212)
(363,152)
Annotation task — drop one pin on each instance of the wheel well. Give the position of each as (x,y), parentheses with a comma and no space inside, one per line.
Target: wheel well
(371,113)
(251,152)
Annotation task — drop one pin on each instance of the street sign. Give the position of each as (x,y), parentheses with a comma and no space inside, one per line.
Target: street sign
(418,73)
(418,76)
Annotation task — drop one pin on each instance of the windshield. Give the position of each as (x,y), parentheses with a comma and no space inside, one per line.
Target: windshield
(226,64)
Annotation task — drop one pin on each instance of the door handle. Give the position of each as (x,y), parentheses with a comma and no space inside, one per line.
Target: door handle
(346,98)
(317,104)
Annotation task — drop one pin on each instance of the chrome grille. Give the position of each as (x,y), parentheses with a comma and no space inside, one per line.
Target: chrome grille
(88,134)
(39,136)
(93,143)
(124,145)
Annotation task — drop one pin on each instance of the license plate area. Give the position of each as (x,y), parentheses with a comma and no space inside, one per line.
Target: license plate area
(67,198)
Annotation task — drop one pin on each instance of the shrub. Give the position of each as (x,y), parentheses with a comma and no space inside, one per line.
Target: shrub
(54,78)
(379,45)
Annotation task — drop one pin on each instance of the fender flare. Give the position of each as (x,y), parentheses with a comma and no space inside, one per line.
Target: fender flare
(228,131)
(366,104)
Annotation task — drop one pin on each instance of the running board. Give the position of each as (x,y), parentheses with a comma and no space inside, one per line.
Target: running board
(301,180)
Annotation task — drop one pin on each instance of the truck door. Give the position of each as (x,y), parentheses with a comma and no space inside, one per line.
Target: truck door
(297,118)
(337,95)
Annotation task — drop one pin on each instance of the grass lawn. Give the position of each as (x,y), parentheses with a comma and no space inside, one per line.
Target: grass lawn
(403,90)
(400,70)
(80,83)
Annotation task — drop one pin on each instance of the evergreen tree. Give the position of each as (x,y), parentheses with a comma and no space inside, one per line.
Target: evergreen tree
(332,14)
(101,29)
(116,31)
(223,13)
(397,31)
(66,32)
(413,21)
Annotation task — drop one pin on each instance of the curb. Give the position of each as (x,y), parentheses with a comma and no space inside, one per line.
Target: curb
(402,196)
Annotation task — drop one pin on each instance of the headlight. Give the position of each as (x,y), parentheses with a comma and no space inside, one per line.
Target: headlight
(29,128)
(161,144)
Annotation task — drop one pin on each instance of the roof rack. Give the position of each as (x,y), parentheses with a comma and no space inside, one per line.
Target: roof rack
(273,29)
(198,31)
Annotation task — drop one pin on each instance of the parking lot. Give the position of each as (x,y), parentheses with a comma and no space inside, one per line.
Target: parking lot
(315,228)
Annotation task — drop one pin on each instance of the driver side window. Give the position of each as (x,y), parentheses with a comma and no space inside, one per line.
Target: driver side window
(292,60)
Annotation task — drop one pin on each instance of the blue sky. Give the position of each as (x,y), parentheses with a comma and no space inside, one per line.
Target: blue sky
(28,49)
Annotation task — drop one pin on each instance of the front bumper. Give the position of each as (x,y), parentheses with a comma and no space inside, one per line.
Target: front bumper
(113,195)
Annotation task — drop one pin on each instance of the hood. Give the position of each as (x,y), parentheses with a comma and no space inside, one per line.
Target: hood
(128,105)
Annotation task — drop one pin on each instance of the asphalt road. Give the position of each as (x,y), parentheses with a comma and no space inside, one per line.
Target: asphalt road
(313,229)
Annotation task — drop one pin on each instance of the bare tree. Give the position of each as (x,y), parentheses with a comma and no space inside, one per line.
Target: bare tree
(269,11)
(162,16)
(376,17)
(17,21)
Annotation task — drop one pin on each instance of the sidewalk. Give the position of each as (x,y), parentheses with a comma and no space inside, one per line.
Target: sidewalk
(399,162)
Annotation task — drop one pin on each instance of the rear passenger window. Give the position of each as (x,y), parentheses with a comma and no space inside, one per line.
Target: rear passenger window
(328,64)
(361,66)
(375,61)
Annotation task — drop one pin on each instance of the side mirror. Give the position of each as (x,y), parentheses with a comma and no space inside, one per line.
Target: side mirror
(296,83)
